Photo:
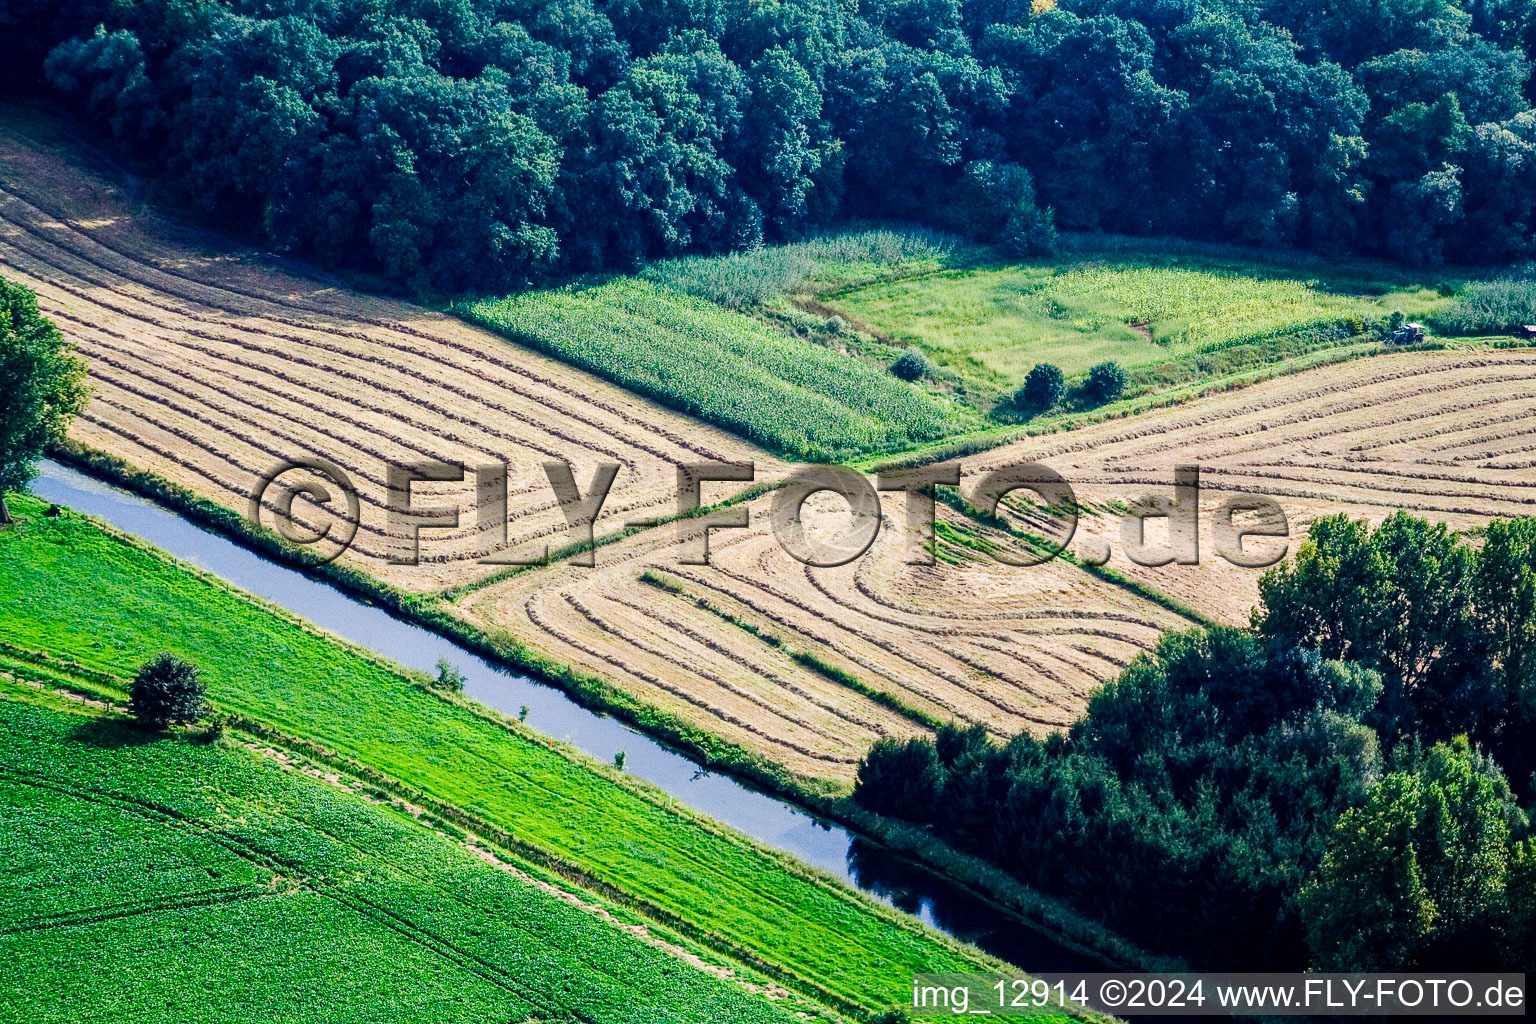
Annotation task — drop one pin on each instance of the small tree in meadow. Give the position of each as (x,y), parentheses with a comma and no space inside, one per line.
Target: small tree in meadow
(1045,386)
(912,365)
(448,676)
(1106,382)
(166,690)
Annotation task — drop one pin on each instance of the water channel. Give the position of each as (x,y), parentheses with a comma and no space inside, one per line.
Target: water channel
(765,818)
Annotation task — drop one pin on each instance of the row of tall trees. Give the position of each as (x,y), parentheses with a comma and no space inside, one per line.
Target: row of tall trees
(1330,787)
(476,143)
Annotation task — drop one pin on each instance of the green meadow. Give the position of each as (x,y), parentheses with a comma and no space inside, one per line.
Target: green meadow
(986,325)
(175,869)
(108,604)
(792,346)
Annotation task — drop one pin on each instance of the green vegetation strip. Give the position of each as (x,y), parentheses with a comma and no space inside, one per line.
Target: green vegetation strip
(110,604)
(179,869)
(787,394)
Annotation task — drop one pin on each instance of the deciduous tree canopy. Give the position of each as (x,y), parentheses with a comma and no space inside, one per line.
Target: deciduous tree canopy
(464,144)
(44,387)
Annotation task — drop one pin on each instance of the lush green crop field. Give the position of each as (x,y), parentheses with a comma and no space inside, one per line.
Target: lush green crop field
(164,879)
(111,604)
(788,394)
(987,325)
(792,345)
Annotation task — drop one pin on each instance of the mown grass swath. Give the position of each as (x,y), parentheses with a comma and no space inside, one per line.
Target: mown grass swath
(211,884)
(800,399)
(109,604)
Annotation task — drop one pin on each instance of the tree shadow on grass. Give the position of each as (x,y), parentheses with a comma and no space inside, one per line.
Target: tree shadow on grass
(112,733)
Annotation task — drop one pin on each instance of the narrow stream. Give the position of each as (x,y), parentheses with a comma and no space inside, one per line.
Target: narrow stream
(765,818)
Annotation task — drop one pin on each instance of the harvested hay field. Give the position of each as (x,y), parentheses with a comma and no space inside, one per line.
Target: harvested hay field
(210,366)
(810,665)
(1446,435)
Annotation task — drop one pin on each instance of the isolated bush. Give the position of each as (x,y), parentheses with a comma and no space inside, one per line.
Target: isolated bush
(912,365)
(1044,387)
(448,676)
(1106,382)
(166,690)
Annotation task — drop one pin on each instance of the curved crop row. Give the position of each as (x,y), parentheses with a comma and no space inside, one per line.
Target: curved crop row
(810,665)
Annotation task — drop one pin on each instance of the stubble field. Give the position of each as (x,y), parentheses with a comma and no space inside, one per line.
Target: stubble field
(1450,436)
(211,367)
(884,647)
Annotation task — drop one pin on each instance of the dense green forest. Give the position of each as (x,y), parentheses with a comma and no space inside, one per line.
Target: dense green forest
(1340,786)
(480,144)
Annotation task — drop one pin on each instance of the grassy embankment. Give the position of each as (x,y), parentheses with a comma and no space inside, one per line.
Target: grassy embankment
(168,878)
(109,603)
